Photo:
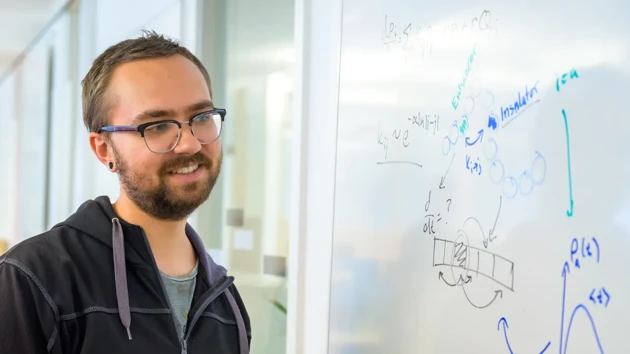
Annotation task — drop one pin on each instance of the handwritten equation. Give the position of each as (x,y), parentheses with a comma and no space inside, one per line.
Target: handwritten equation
(418,39)
(428,122)
(564,78)
(431,218)
(405,134)
(397,136)
(472,165)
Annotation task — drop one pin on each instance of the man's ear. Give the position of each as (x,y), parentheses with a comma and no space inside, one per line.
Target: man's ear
(101,147)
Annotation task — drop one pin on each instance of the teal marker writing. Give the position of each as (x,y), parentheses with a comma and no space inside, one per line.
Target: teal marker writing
(566,130)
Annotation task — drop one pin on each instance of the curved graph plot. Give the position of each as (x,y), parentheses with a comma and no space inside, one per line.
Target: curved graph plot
(504,325)
(581,251)
(566,270)
(575,263)
(592,323)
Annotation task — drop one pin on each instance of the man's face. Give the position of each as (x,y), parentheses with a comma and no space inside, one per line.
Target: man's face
(165,88)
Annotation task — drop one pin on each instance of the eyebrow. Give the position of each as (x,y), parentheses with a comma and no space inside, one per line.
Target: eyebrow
(165,113)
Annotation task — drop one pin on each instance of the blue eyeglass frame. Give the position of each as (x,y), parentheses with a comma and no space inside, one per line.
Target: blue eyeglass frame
(142,127)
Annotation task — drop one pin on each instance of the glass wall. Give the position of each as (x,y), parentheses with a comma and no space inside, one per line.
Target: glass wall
(33,123)
(25,105)
(248,47)
(64,115)
(8,176)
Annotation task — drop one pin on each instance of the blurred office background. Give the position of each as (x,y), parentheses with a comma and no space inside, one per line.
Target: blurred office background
(48,170)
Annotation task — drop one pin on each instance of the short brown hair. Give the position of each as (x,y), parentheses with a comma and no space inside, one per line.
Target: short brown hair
(148,46)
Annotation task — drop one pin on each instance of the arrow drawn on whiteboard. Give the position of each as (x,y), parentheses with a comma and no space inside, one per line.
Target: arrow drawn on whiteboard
(479,139)
(460,281)
(480,228)
(566,130)
(491,235)
(443,177)
(497,293)
(503,323)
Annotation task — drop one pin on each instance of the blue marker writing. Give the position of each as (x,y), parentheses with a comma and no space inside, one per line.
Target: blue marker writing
(492,121)
(545,348)
(564,336)
(503,323)
(470,142)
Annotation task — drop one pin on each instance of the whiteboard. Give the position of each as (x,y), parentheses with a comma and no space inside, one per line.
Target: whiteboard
(482,202)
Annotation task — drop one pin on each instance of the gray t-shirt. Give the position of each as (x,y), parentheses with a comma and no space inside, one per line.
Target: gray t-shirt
(180,292)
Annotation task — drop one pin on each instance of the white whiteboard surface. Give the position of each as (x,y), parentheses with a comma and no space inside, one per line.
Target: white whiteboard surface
(465,222)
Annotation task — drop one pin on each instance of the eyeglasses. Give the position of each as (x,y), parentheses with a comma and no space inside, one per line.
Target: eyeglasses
(162,136)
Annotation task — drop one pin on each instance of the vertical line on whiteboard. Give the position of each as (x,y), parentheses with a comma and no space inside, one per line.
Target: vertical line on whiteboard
(566,130)
(512,273)
(444,255)
(433,261)
(477,263)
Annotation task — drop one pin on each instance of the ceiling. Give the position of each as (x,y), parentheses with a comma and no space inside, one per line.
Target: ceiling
(20,21)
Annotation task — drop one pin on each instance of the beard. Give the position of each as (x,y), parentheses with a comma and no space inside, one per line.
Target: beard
(165,202)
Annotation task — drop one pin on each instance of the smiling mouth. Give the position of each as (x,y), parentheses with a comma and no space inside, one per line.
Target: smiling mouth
(185,170)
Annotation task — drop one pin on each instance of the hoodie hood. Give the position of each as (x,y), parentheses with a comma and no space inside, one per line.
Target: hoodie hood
(97,219)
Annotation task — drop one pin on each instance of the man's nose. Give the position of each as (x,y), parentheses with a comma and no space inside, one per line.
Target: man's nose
(188,143)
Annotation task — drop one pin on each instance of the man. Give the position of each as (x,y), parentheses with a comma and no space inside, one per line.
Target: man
(132,276)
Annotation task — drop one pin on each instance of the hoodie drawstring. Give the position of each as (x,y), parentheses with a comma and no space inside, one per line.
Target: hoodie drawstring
(120,275)
(122,293)
(243,341)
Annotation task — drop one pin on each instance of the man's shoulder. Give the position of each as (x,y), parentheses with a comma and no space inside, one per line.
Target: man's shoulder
(57,262)
(44,253)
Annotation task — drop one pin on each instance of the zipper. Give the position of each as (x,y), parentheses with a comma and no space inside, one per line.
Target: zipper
(206,300)
(168,302)
(184,347)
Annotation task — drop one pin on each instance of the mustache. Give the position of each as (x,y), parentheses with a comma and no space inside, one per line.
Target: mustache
(185,161)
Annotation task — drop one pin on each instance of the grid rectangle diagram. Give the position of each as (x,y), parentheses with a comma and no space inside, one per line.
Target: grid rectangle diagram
(480,261)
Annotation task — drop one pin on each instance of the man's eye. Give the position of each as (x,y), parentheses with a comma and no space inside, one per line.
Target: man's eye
(161,127)
(203,118)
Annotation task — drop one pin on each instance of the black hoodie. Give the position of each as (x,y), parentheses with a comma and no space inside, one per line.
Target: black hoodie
(90,285)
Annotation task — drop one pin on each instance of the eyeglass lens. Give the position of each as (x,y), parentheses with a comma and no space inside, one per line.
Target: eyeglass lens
(163,137)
